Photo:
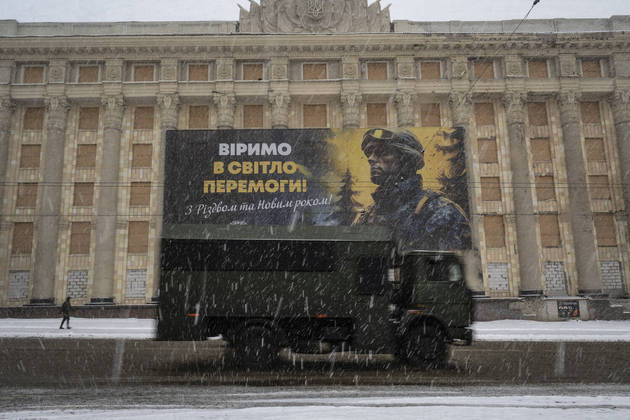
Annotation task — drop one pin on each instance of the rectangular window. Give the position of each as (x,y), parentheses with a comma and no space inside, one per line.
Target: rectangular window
(26,195)
(590,113)
(376,71)
(142,156)
(80,238)
(605,229)
(138,239)
(252,71)
(34,118)
(33,74)
(549,230)
(30,156)
(22,242)
(487,151)
(495,231)
(198,72)
(483,69)
(430,115)
(88,74)
(140,194)
(315,116)
(591,67)
(430,70)
(595,150)
(198,116)
(314,71)
(541,150)
(253,116)
(371,275)
(545,189)
(537,113)
(484,114)
(88,118)
(83,194)
(86,156)
(143,118)
(600,190)
(537,69)
(143,72)
(490,188)
(376,115)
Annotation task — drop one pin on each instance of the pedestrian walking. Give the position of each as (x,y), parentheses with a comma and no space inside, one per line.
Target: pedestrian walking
(66,307)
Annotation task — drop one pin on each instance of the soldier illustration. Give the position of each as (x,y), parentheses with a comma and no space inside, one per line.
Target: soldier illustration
(418,218)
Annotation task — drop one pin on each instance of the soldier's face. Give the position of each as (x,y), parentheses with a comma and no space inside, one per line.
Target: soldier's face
(384,162)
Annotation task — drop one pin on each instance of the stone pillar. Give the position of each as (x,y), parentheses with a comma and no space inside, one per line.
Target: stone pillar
(351,109)
(6,111)
(527,243)
(579,205)
(404,105)
(225,110)
(49,211)
(105,249)
(620,102)
(279,110)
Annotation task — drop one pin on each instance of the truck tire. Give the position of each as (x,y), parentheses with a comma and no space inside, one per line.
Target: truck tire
(425,346)
(255,345)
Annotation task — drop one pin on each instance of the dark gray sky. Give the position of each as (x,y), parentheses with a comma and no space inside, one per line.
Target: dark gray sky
(427,10)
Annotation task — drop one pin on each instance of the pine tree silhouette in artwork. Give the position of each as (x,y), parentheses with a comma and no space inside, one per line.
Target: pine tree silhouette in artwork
(454,182)
(345,205)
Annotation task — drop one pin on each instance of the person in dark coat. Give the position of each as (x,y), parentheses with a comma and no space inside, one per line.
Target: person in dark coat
(66,307)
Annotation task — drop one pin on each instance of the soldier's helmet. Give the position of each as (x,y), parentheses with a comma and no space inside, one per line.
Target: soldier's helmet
(402,140)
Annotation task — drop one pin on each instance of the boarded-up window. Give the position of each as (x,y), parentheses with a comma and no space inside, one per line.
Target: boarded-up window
(22,242)
(484,114)
(314,71)
(487,151)
(537,69)
(430,70)
(544,188)
(83,194)
(142,156)
(143,118)
(484,69)
(376,115)
(590,113)
(197,72)
(430,115)
(80,238)
(490,188)
(198,116)
(605,229)
(253,116)
(88,118)
(86,156)
(140,194)
(138,239)
(600,189)
(33,74)
(34,118)
(252,71)
(591,68)
(537,112)
(541,150)
(595,150)
(88,74)
(376,71)
(26,195)
(495,231)
(315,116)
(30,156)
(143,73)
(549,230)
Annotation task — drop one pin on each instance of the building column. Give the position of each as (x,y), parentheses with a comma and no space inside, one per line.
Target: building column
(6,111)
(528,248)
(279,110)
(579,205)
(620,101)
(351,109)
(404,105)
(107,210)
(225,111)
(49,210)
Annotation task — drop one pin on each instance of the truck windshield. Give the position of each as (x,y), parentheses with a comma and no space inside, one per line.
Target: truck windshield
(432,268)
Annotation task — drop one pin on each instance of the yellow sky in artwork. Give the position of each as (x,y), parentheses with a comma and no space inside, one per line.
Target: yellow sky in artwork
(346,154)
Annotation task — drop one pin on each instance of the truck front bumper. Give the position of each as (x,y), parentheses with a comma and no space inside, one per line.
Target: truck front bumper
(462,336)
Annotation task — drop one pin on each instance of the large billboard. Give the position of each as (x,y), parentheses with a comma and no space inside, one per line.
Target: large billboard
(411,181)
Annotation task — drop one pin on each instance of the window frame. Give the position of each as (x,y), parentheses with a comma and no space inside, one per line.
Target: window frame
(26,65)
(547,64)
(325,63)
(99,78)
(132,74)
(242,71)
(365,68)
(442,69)
(602,69)
(197,63)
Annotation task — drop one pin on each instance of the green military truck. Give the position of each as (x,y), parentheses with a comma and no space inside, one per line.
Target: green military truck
(311,289)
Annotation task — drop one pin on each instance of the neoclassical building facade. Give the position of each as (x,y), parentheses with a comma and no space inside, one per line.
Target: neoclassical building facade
(84,108)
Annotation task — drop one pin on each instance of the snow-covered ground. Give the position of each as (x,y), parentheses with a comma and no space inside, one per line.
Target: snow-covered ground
(505,330)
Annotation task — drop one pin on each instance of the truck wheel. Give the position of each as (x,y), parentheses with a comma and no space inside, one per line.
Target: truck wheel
(424,346)
(255,346)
